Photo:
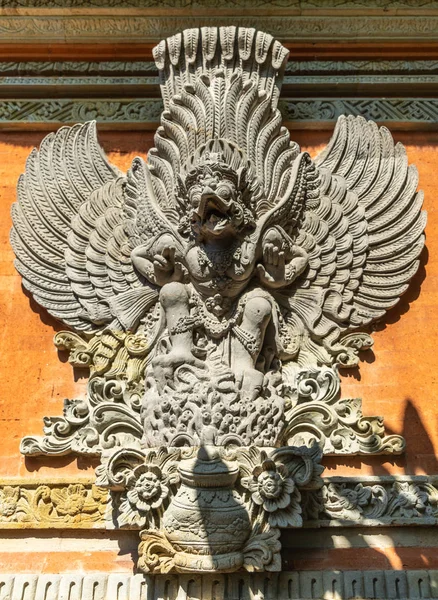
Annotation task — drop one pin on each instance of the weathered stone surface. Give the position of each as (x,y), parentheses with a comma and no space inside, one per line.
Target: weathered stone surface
(339,502)
(63,505)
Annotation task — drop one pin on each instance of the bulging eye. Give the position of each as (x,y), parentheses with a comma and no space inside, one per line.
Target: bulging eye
(195,199)
(224,192)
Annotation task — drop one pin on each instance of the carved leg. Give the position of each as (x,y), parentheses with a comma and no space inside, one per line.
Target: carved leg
(247,343)
(174,299)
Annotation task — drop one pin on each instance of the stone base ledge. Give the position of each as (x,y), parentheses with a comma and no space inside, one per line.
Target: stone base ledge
(299,585)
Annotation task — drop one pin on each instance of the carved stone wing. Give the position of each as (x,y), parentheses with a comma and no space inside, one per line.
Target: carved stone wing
(377,172)
(73,234)
(363,233)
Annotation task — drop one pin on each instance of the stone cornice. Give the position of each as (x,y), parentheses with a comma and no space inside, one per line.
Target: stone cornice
(146,68)
(142,26)
(295,7)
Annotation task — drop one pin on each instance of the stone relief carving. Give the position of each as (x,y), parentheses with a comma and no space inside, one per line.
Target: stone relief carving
(55,505)
(150,28)
(213,292)
(388,501)
(339,502)
(213,509)
(296,5)
(148,69)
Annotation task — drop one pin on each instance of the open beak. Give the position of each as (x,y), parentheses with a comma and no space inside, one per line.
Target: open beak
(213,212)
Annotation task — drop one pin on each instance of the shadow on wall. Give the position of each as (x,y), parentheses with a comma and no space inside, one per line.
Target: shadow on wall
(386,548)
(420,457)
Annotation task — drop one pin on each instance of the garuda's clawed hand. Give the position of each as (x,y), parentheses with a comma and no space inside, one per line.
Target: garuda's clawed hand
(279,266)
(160,264)
(166,268)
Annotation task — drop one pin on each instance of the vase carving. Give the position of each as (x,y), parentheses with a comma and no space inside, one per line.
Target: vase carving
(207,521)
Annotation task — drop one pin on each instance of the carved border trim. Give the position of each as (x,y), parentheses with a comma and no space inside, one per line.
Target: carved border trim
(296,585)
(60,504)
(342,502)
(373,501)
(149,28)
(147,80)
(141,112)
(291,5)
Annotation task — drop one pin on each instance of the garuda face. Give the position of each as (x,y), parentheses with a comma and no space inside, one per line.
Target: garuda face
(216,194)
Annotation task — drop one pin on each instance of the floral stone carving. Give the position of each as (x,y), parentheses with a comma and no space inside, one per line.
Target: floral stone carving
(213,292)
(210,509)
(61,505)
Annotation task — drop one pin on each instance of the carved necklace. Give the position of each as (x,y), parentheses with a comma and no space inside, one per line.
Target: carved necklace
(213,325)
(219,260)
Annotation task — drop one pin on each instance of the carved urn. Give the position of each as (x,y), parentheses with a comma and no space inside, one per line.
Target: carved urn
(207,522)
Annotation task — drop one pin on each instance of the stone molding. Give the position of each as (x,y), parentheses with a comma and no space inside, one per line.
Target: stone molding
(293,6)
(27,69)
(341,502)
(388,80)
(399,113)
(297,585)
(373,501)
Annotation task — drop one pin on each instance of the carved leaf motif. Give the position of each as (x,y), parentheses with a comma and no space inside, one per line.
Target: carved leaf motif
(155,553)
(262,551)
(318,415)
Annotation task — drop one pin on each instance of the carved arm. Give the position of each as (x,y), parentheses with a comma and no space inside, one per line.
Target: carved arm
(159,262)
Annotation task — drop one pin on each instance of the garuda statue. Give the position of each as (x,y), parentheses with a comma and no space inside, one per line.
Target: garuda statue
(216,287)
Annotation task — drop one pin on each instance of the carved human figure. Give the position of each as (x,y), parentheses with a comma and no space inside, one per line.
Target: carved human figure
(223,257)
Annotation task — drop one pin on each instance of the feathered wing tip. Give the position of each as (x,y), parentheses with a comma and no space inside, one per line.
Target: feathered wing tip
(363,233)
(61,177)
(73,231)
(377,171)
(202,52)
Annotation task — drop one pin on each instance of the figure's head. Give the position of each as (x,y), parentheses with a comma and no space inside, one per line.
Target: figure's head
(218,198)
